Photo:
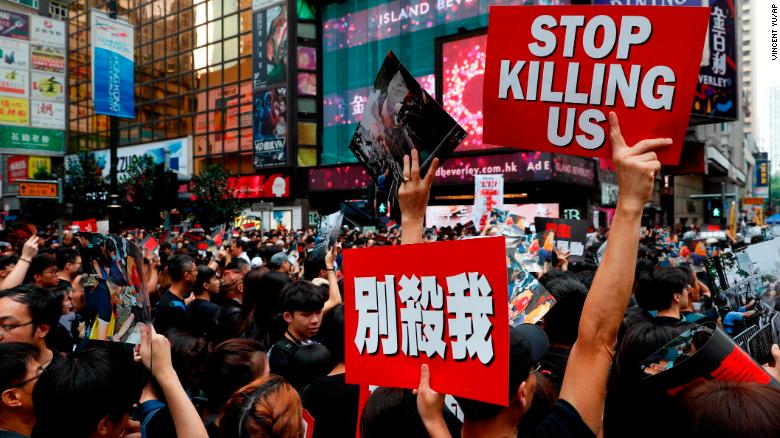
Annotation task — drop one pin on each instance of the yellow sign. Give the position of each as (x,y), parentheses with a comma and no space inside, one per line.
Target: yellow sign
(753,201)
(14,111)
(38,189)
(36,164)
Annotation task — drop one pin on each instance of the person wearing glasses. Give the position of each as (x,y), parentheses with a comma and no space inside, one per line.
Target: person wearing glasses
(19,371)
(43,271)
(27,314)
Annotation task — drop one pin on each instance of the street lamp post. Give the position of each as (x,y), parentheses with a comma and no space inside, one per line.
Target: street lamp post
(113,144)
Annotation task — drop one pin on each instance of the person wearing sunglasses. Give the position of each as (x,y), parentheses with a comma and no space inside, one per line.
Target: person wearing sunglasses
(19,371)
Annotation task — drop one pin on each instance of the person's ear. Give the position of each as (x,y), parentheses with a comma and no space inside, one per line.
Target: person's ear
(288,318)
(524,395)
(10,398)
(104,426)
(42,330)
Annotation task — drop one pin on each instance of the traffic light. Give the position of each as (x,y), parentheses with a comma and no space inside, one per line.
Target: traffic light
(716,212)
(381,208)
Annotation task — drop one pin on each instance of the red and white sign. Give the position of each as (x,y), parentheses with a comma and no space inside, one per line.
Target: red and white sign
(276,185)
(554,73)
(488,195)
(429,303)
(17,168)
(85,226)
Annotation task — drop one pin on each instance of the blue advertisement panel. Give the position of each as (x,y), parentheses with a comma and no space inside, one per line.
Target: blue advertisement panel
(113,66)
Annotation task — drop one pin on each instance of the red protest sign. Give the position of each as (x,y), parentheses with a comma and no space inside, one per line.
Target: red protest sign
(553,74)
(432,303)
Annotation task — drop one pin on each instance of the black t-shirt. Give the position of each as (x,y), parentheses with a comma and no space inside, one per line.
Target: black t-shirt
(333,404)
(279,356)
(563,421)
(227,321)
(201,316)
(171,312)
(10,434)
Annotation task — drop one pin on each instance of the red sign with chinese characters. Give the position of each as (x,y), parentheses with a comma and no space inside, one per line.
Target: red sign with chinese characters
(429,303)
(276,185)
(553,74)
(17,168)
(86,226)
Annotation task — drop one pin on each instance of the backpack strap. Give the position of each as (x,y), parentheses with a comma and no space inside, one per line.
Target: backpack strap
(148,409)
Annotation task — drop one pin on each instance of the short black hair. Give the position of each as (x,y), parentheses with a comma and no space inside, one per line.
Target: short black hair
(313,266)
(656,289)
(178,265)
(78,391)
(309,362)
(204,274)
(13,365)
(562,321)
(44,306)
(38,264)
(241,243)
(332,332)
(7,260)
(66,255)
(302,296)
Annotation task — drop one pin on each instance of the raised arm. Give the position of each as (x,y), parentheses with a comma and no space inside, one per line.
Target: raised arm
(413,197)
(16,277)
(334,296)
(585,380)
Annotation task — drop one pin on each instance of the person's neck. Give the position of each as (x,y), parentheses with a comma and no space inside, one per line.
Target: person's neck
(338,369)
(204,297)
(20,422)
(672,312)
(293,336)
(63,275)
(178,289)
(504,425)
(46,355)
(237,297)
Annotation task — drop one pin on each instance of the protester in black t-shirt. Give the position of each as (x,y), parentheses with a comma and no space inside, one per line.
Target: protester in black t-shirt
(19,370)
(580,408)
(302,305)
(329,399)
(201,312)
(232,295)
(665,291)
(171,312)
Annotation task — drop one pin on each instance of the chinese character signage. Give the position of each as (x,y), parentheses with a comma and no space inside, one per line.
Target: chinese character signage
(48,59)
(112,66)
(549,86)
(568,234)
(429,303)
(276,185)
(46,114)
(47,31)
(22,140)
(14,111)
(716,93)
(762,178)
(37,164)
(39,189)
(269,125)
(14,82)
(14,25)
(48,86)
(488,195)
(14,54)
(17,168)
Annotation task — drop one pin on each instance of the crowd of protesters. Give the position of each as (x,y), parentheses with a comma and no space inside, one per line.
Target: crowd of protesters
(244,339)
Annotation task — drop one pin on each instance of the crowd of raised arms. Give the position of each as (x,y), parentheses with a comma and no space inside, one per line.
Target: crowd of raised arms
(244,339)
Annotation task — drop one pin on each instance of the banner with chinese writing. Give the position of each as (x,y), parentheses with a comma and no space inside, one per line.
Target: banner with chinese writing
(38,164)
(762,179)
(716,97)
(569,234)
(488,195)
(47,114)
(553,73)
(23,140)
(113,66)
(429,303)
(47,31)
(48,59)
(85,226)
(14,111)
(14,82)
(48,86)
(17,168)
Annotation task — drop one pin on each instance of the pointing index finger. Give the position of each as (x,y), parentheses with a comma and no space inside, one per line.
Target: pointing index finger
(615,136)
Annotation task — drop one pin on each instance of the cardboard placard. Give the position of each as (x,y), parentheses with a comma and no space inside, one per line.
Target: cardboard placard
(429,303)
(553,73)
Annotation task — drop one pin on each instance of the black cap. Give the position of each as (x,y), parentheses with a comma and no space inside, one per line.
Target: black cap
(527,346)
